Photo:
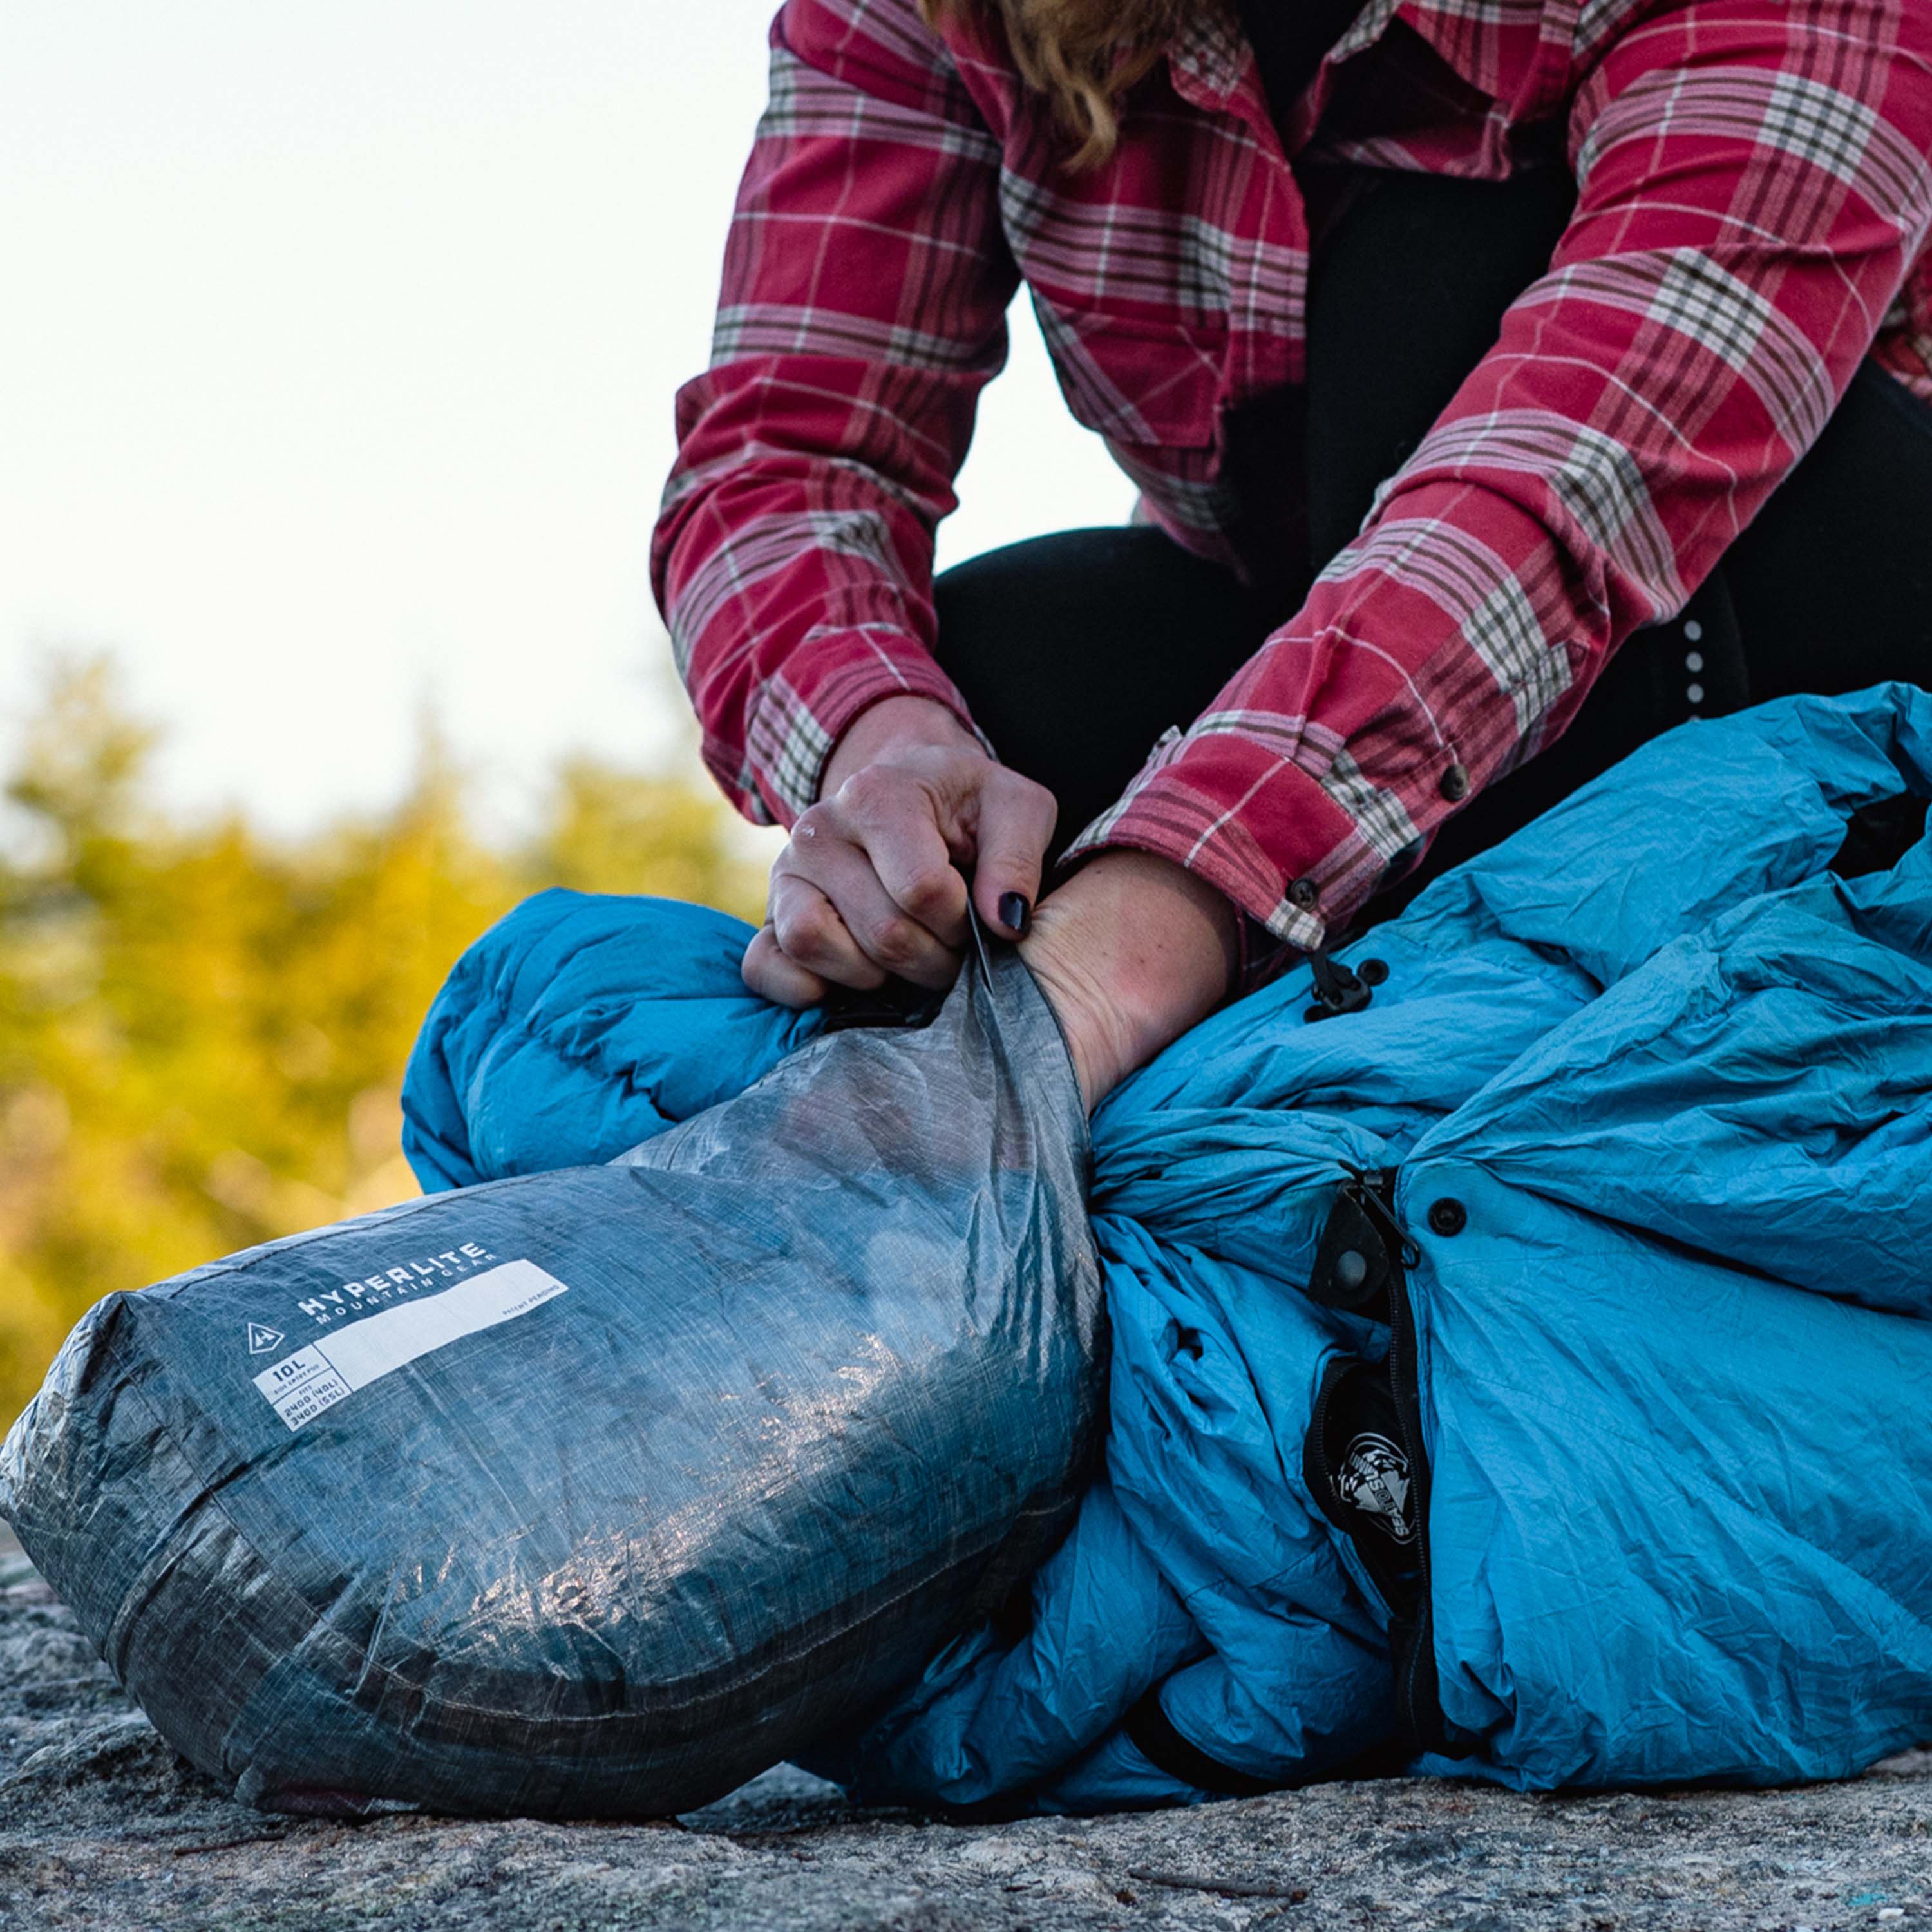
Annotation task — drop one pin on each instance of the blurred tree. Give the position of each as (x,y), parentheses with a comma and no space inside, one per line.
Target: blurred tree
(202,1033)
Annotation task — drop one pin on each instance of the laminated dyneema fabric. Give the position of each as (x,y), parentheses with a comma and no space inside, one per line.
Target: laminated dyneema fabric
(596,1492)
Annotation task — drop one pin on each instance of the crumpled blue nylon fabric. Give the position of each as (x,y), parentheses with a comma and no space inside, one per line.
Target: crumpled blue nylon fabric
(1675,1371)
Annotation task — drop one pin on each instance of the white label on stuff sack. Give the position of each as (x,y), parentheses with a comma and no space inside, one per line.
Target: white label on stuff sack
(302,1385)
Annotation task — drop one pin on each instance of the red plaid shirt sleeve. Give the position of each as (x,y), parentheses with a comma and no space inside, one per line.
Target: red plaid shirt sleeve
(1754,189)
(866,281)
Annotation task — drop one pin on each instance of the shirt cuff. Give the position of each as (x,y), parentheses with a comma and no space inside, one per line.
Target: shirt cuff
(801,710)
(1237,811)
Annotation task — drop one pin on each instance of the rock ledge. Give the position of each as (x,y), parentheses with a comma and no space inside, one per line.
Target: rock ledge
(103,1828)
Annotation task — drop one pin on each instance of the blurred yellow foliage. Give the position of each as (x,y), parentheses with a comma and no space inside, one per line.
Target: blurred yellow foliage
(202,1032)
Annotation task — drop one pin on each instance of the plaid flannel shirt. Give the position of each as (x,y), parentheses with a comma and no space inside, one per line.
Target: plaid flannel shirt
(1755,200)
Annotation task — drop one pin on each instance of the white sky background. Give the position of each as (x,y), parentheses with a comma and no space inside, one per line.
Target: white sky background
(338,350)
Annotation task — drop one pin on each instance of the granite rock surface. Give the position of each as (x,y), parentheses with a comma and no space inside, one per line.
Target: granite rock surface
(102,1828)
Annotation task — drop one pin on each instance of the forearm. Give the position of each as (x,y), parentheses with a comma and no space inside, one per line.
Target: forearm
(1131,952)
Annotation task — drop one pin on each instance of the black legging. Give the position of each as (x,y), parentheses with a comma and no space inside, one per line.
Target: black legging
(1076,651)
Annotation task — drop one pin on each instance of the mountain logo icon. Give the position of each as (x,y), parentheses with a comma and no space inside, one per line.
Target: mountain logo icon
(261,1338)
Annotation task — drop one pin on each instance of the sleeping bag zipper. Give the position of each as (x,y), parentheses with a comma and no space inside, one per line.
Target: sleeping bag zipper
(1365,1460)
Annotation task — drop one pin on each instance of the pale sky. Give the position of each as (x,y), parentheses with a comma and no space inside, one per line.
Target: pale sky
(337,362)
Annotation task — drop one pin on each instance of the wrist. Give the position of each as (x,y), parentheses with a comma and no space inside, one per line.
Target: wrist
(1131,952)
(901,723)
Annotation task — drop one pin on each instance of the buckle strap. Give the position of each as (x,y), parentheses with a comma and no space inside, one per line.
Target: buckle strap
(1338,989)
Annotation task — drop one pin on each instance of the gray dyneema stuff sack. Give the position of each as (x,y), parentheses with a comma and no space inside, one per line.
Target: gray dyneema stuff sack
(594,1492)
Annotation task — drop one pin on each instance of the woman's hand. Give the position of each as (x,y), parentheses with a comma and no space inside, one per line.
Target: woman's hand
(1130,952)
(870,884)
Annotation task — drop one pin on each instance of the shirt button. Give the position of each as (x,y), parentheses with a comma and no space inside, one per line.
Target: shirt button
(1303,893)
(1454,785)
(1693,631)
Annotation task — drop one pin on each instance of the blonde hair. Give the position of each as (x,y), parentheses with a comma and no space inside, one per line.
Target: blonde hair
(1083,55)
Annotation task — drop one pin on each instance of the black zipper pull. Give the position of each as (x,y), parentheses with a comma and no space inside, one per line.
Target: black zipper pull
(1361,1248)
(1377,1188)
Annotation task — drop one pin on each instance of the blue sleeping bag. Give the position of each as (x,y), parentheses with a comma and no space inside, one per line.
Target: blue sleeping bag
(1527,1374)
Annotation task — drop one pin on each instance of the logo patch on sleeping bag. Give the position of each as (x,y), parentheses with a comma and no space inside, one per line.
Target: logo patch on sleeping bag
(1374,1479)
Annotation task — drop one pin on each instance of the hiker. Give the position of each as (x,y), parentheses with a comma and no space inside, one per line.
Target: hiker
(1503,385)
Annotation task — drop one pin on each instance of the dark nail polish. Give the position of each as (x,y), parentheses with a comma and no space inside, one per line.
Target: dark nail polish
(1016,912)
